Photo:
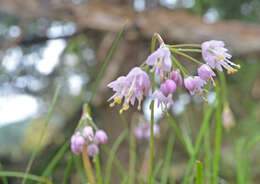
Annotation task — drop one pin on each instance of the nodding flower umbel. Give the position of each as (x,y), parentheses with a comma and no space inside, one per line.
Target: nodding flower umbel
(216,56)
(160,60)
(131,87)
(86,136)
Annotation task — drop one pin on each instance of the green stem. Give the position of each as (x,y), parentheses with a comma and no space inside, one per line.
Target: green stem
(187,50)
(218,135)
(25,175)
(132,155)
(98,170)
(177,63)
(198,143)
(185,45)
(199,175)
(188,57)
(67,170)
(4,180)
(150,179)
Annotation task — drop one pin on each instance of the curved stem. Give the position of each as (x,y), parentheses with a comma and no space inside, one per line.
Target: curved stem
(87,166)
(24,175)
(185,45)
(187,50)
(188,57)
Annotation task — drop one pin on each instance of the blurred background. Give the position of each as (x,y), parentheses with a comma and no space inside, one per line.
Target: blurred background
(47,43)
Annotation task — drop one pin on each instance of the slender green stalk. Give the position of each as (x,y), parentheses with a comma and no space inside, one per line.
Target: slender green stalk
(58,156)
(78,165)
(177,63)
(157,169)
(12,174)
(202,131)
(107,59)
(167,162)
(36,149)
(188,57)
(3,178)
(132,155)
(239,161)
(98,170)
(249,147)
(185,45)
(67,170)
(150,179)
(199,175)
(218,135)
(187,50)
(111,156)
(207,158)
(179,134)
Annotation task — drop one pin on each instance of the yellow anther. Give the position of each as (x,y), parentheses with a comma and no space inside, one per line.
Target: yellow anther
(238,66)
(152,70)
(112,104)
(125,107)
(118,100)
(139,107)
(220,58)
(121,111)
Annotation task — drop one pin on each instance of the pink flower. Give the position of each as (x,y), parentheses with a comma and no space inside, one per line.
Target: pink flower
(100,137)
(194,84)
(132,87)
(77,142)
(88,133)
(160,60)
(176,77)
(216,56)
(93,150)
(162,99)
(143,130)
(206,73)
(168,87)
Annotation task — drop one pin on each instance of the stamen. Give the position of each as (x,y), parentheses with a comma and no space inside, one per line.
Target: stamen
(117,100)
(139,107)
(220,58)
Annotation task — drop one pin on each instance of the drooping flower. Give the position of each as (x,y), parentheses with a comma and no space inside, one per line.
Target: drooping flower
(194,84)
(162,99)
(160,60)
(176,77)
(100,137)
(168,87)
(93,150)
(216,56)
(143,130)
(132,87)
(77,142)
(88,133)
(206,73)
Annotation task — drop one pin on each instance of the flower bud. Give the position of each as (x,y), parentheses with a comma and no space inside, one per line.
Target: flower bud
(88,133)
(176,77)
(92,150)
(168,87)
(100,137)
(205,72)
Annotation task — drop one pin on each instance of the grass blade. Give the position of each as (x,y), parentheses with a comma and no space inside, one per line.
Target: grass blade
(218,136)
(107,59)
(239,161)
(202,131)
(58,156)
(111,156)
(179,134)
(12,174)
(98,170)
(4,180)
(35,151)
(67,171)
(199,176)
(157,169)
(167,163)
(132,155)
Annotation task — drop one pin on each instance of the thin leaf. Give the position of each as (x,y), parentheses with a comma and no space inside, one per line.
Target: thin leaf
(67,170)
(36,149)
(112,154)
(4,180)
(167,162)
(199,176)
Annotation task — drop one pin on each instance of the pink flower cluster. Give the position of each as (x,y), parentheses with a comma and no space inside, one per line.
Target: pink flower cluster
(143,130)
(88,137)
(136,84)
